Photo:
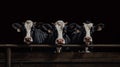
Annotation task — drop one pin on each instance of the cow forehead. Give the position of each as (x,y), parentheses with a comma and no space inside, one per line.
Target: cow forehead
(88,25)
(29,23)
(60,23)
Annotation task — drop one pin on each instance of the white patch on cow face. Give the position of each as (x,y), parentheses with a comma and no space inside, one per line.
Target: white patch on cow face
(88,38)
(59,26)
(28,25)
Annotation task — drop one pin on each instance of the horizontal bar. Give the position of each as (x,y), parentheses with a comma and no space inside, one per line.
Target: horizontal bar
(87,60)
(48,62)
(95,60)
(65,45)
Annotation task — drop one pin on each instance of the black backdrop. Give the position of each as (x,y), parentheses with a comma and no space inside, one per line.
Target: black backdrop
(106,12)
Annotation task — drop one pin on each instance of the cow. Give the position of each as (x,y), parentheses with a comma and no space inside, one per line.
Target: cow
(56,34)
(30,32)
(83,34)
(60,36)
(88,29)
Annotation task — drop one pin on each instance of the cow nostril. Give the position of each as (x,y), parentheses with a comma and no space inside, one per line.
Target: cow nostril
(28,39)
(57,40)
(87,38)
(60,41)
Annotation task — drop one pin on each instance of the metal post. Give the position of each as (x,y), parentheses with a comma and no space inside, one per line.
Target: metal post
(8,57)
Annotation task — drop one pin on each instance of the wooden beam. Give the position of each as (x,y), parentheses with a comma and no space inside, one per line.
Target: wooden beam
(66,45)
(88,60)
(8,57)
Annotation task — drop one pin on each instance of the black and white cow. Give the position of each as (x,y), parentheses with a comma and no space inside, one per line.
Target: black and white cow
(88,30)
(60,34)
(56,34)
(30,33)
(83,34)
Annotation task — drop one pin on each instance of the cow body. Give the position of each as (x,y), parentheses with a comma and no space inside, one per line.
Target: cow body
(83,34)
(74,31)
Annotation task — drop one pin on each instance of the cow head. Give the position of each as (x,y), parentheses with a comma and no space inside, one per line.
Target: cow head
(28,26)
(59,40)
(89,29)
(59,25)
(25,28)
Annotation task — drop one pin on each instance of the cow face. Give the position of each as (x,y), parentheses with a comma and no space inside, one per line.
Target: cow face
(26,28)
(89,29)
(87,26)
(59,27)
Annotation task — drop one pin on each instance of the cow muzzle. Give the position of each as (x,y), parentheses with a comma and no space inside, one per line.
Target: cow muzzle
(87,40)
(60,41)
(28,40)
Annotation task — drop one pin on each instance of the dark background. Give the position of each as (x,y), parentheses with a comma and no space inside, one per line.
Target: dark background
(106,12)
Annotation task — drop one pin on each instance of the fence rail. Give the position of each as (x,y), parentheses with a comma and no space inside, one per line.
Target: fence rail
(66,45)
(9,60)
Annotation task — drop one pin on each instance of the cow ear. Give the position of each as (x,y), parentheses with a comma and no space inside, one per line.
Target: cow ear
(34,23)
(19,30)
(99,26)
(53,23)
(17,26)
(49,31)
(66,23)
(83,23)
(78,31)
(23,23)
